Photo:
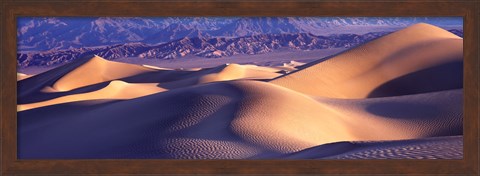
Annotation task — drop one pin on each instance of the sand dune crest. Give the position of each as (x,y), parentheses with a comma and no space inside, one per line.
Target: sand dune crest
(359,71)
(97,70)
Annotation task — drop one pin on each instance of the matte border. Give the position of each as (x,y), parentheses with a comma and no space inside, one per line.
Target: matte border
(10,9)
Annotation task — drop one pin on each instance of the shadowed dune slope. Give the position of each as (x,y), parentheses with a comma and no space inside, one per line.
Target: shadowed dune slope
(32,85)
(233,119)
(359,72)
(445,147)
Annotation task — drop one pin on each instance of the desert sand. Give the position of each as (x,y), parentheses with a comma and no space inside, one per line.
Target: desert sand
(391,65)
(399,96)
(21,76)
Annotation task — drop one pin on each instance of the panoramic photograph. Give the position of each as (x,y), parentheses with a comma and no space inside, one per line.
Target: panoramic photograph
(249,88)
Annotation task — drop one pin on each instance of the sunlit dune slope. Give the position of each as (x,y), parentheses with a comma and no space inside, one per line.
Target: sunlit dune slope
(420,58)
(81,72)
(97,70)
(234,119)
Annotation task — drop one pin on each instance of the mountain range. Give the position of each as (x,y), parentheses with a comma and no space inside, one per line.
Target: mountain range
(59,33)
(203,47)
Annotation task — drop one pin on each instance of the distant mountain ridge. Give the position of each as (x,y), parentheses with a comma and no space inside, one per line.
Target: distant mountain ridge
(203,47)
(41,34)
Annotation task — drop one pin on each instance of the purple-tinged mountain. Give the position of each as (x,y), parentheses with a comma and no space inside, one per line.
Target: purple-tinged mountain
(201,47)
(59,33)
(41,34)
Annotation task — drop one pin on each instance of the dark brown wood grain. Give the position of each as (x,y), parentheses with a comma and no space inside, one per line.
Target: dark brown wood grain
(12,9)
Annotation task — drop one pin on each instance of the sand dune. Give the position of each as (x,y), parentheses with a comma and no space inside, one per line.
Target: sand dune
(21,76)
(449,147)
(63,79)
(114,90)
(235,71)
(399,96)
(172,79)
(419,51)
(236,111)
(297,122)
(97,70)
(82,72)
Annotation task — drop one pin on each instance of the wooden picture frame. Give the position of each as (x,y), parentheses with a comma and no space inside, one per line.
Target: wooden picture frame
(10,10)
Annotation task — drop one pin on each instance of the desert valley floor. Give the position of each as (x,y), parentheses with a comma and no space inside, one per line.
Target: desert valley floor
(399,96)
